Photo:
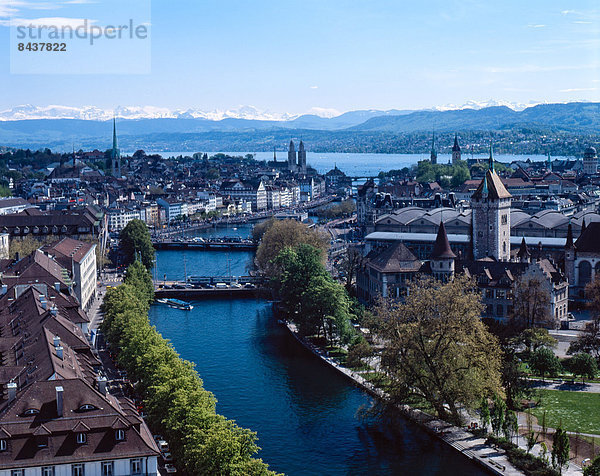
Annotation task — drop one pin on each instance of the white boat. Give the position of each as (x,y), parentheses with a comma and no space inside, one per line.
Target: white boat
(179,304)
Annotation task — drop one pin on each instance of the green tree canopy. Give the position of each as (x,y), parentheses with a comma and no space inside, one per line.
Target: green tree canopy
(583,365)
(135,238)
(438,348)
(287,234)
(543,362)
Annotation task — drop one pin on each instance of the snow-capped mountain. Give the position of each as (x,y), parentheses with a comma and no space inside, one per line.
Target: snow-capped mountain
(29,111)
(142,112)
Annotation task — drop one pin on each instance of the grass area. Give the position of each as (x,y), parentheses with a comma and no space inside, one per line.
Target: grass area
(578,411)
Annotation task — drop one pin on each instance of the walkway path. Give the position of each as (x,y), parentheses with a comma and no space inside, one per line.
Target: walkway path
(565,386)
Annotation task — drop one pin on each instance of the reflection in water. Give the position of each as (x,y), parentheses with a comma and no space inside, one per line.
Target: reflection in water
(305,413)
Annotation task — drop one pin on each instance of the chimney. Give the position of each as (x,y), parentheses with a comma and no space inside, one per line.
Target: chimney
(56,341)
(17,256)
(59,352)
(57,287)
(59,401)
(101,385)
(54,310)
(12,391)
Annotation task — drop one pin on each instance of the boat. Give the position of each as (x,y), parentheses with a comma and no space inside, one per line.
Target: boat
(179,304)
(162,301)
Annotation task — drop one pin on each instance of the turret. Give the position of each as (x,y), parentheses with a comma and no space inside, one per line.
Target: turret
(523,254)
(433,154)
(292,157)
(442,256)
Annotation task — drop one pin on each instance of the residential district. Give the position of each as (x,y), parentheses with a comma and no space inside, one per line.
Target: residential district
(65,410)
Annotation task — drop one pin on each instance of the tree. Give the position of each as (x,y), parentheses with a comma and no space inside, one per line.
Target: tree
(510,426)
(438,349)
(534,338)
(497,414)
(531,308)
(140,279)
(484,413)
(357,352)
(283,234)
(560,449)
(135,239)
(261,228)
(583,365)
(543,362)
(513,378)
(530,437)
(350,262)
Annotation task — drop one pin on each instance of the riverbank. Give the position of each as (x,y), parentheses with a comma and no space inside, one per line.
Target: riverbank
(492,459)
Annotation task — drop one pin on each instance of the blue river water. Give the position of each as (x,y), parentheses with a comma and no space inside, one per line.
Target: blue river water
(307,416)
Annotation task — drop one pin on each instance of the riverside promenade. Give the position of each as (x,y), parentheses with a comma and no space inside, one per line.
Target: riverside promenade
(492,459)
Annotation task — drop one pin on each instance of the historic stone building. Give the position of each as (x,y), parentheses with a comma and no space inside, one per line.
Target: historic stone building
(590,161)
(456,155)
(491,217)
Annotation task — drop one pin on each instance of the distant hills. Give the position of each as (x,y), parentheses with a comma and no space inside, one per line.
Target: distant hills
(364,130)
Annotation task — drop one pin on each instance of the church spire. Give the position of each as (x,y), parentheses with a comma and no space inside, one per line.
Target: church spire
(569,243)
(115,145)
(433,155)
(491,159)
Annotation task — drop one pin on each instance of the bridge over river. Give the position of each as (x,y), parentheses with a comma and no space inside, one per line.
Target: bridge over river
(212,245)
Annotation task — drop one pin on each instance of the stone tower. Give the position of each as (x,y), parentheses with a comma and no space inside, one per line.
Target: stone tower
(301,158)
(115,154)
(491,217)
(292,157)
(590,161)
(433,154)
(442,257)
(455,150)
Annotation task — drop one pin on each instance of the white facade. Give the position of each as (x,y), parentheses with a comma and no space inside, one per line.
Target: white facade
(120,467)
(84,274)
(119,217)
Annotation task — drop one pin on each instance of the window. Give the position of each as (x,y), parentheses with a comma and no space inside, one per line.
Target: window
(31,411)
(108,468)
(81,438)
(136,466)
(48,471)
(17,472)
(504,219)
(3,445)
(120,435)
(86,407)
(77,470)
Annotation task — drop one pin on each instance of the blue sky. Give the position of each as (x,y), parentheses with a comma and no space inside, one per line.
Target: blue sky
(297,56)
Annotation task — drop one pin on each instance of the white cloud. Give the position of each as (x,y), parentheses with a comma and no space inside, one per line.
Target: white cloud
(55,22)
(536,26)
(582,22)
(314,87)
(576,90)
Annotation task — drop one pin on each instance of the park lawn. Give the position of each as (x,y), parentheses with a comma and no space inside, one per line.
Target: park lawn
(578,411)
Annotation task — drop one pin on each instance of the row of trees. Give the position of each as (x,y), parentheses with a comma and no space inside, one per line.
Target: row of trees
(202,441)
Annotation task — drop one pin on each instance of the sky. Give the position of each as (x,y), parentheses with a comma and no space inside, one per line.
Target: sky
(299,56)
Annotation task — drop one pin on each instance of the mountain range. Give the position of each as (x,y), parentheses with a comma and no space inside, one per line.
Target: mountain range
(61,127)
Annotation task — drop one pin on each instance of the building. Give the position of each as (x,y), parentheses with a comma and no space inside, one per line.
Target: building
(491,217)
(115,154)
(291,157)
(582,259)
(301,158)
(433,153)
(252,191)
(456,154)
(13,205)
(80,259)
(119,217)
(175,209)
(590,161)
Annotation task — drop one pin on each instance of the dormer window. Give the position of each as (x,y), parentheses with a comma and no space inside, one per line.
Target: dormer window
(31,412)
(81,438)
(87,407)
(3,445)
(120,435)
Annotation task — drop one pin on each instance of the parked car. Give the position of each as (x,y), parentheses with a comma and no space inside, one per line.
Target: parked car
(249,286)
(167,457)
(163,445)
(236,285)
(169,468)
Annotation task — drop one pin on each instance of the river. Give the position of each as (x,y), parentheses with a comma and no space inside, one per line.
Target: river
(307,416)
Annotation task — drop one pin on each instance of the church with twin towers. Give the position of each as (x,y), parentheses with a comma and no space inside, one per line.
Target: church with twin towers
(297,160)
